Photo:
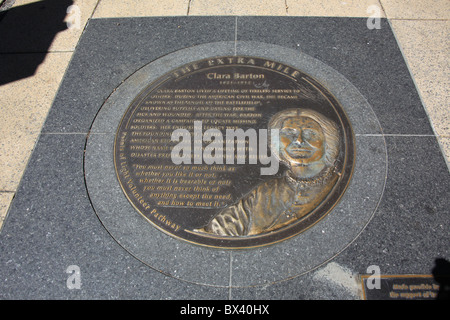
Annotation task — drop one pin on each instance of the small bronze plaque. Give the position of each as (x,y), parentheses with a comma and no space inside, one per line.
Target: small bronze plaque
(234,152)
(400,287)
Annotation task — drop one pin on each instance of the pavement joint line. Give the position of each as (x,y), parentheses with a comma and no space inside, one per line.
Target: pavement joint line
(382,8)
(188,9)
(37,52)
(418,19)
(93,12)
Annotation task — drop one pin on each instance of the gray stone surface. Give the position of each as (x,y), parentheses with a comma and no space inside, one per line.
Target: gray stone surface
(410,229)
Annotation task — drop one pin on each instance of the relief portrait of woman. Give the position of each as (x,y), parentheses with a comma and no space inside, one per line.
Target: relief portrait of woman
(308,146)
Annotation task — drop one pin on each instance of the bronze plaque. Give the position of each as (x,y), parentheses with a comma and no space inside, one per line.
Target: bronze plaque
(234,152)
(400,287)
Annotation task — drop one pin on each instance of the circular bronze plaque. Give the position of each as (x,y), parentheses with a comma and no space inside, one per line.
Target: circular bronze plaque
(234,152)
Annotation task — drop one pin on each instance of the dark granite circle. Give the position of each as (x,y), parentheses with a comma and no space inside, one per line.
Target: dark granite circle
(209,266)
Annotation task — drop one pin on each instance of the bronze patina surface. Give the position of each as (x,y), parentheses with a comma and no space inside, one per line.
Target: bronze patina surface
(214,200)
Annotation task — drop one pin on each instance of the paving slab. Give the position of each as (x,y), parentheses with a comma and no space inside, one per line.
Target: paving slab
(27,96)
(56,222)
(335,8)
(424,44)
(238,8)
(122,9)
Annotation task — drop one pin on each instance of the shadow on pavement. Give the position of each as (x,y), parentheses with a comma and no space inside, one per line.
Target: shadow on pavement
(28,29)
(441,273)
